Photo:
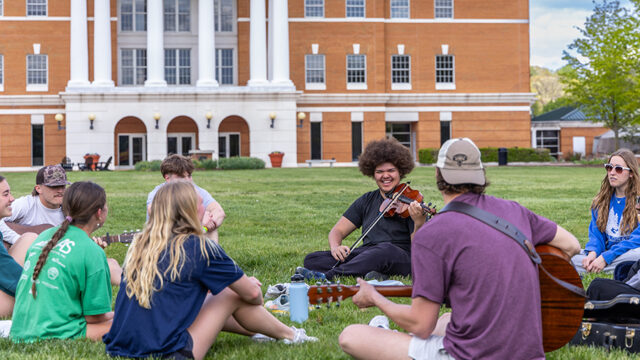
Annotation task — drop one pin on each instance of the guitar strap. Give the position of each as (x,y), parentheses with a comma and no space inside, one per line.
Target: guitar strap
(511,231)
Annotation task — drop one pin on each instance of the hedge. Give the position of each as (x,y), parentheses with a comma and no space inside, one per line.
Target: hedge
(148,165)
(490,154)
(241,162)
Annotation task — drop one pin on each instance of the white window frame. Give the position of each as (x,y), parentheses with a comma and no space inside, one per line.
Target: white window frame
(227,136)
(315,85)
(176,14)
(398,7)
(217,6)
(410,132)
(402,85)
(308,7)
(179,137)
(356,85)
(46,8)
(131,136)
(134,12)
(1,71)
(446,85)
(441,7)
(355,7)
(134,66)
(38,87)
(218,66)
(177,66)
(1,7)
(535,143)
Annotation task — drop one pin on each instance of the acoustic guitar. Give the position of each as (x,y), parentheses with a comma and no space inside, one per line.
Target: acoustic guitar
(124,238)
(562,309)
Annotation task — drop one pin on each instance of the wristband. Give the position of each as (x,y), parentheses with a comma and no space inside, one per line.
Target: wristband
(205,229)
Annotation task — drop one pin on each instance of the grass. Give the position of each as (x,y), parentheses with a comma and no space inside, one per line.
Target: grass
(276,216)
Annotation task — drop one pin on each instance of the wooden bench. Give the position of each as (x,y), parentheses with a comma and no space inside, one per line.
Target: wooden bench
(321,161)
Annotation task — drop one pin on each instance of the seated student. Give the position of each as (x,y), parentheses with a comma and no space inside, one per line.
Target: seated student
(179,167)
(607,289)
(64,290)
(10,261)
(489,280)
(180,289)
(386,250)
(614,236)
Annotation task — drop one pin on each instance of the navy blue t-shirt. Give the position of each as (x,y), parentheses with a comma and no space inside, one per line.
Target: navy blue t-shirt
(140,332)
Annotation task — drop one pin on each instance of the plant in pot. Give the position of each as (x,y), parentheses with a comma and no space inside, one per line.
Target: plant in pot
(276,158)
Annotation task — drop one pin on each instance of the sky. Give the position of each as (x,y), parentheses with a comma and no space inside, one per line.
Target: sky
(552,27)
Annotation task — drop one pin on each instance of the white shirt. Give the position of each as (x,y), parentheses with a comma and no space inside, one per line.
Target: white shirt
(29,210)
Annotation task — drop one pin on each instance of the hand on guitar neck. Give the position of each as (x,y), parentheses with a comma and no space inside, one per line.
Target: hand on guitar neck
(103,241)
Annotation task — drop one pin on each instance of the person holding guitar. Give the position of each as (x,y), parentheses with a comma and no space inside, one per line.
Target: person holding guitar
(487,278)
(387,247)
(614,236)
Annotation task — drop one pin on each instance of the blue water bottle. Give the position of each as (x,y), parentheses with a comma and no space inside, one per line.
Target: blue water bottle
(298,299)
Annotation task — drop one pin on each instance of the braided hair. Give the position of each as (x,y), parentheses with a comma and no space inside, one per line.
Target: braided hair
(81,201)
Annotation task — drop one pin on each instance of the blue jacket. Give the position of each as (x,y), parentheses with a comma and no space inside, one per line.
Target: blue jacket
(610,244)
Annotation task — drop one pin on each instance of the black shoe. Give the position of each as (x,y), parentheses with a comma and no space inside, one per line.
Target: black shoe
(374,275)
(310,275)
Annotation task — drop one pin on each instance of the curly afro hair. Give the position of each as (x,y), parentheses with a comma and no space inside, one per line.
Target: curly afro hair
(385,150)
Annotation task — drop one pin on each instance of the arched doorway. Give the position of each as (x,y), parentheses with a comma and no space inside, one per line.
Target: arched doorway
(233,137)
(182,136)
(130,141)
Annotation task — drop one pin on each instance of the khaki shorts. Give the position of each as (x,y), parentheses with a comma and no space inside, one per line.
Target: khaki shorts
(428,349)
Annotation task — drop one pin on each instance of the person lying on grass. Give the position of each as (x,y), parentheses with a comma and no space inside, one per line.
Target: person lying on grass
(64,291)
(164,307)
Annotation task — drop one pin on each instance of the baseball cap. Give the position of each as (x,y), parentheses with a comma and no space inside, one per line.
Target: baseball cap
(459,162)
(52,175)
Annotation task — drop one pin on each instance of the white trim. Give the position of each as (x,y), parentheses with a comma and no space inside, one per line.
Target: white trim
(445,86)
(30,100)
(37,87)
(396,116)
(357,86)
(565,124)
(315,86)
(415,108)
(417,98)
(357,116)
(37,119)
(315,116)
(401,86)
(228,142)
(30,111)
(445,116)
(406,21)
(356,49)
(314,49)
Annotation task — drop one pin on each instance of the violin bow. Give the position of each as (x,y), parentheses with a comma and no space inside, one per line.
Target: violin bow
(393,201)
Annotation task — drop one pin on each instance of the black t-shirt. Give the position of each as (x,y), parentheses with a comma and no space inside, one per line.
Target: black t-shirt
(395,229)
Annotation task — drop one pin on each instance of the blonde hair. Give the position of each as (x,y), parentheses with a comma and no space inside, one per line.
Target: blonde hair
(601,201)
(172,219)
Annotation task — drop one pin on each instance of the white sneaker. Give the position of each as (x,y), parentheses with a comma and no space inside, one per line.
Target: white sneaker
(380,321)
(5,328)
(299,336)
(273,291)
(262,338)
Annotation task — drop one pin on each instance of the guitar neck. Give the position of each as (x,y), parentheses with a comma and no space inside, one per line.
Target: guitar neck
(395,291)
(125,238)
(336,292)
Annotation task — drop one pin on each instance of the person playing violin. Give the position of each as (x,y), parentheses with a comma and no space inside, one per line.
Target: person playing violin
(386,248)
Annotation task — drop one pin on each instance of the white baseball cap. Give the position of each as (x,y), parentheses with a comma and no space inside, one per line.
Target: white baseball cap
(459,162)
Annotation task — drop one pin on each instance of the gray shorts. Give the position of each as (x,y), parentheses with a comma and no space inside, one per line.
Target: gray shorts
(428,349)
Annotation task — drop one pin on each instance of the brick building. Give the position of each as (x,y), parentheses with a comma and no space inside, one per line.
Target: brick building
(315,79)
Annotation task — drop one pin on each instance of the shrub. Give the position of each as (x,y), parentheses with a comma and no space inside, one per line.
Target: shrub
(490,154)
(206,164)
(148,165)
(236,163)
(428,155)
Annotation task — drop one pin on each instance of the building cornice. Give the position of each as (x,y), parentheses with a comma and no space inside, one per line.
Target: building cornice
(423,98)
(31,100)
(402,21)
(566,124)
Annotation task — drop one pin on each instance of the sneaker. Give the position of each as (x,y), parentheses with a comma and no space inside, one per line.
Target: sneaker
(280,304)
(261,338)
(273,291)
(374,275)
(299,336)
(5,328)
(310,274)
(380,321)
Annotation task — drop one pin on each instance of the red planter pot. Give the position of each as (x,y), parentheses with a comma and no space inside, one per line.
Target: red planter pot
(276,159)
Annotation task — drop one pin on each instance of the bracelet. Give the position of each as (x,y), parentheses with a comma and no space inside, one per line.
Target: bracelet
(205,229)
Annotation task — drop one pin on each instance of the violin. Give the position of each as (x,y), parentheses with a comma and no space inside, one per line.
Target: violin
(401,206)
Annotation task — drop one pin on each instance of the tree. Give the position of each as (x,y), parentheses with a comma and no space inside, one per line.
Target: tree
(604,75)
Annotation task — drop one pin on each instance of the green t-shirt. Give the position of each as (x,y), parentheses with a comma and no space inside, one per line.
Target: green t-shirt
(74,282)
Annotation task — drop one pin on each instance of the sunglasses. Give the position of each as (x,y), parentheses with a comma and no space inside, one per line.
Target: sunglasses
(618,168)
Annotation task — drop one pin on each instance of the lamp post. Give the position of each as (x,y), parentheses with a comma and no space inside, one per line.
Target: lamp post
(59,117)
(301,117)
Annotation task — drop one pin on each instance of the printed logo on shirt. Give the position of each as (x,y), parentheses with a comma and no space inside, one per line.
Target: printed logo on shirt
(53,273)
(27,265)
(65,246)
(613,229)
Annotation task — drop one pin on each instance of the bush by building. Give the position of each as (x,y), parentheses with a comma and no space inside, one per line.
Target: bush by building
(241,162)
(148,165)
(490,154)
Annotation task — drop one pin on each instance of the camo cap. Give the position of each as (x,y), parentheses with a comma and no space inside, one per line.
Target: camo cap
(52,175)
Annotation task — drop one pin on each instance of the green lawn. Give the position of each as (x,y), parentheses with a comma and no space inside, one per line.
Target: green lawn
(276,216)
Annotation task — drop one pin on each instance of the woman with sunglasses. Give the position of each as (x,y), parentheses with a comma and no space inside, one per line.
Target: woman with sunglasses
(613,233)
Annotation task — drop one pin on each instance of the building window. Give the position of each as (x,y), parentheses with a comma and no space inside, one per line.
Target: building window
(445,72)
(177,15)
(1,72)
(1,7)
(223,12)
(400,72)
(401,132)
(177,66)
(399,9)
(444,9)
(548,139)
(356,72)
(445,131)
(356,140)
(313,8)
(228,144)
(133,15)
(37,145)
(134,66)
(36,7)
(355,8)
(316,141)
(314,72)
(37,73)
(224,66)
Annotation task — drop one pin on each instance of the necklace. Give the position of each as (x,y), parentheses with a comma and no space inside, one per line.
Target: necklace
(618,201)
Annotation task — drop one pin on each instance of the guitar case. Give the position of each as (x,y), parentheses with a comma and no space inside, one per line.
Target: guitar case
(623,309)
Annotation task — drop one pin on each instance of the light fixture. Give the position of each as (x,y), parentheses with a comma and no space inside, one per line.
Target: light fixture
(156,117)
(272,116)
(59,117)
(92,117)
(301,117)
(208,115)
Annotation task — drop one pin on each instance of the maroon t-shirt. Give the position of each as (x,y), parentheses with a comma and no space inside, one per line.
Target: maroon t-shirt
(490,281)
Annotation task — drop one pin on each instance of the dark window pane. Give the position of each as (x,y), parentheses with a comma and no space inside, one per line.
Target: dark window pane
(222,146)
(186,145)
(37,145)
(445,131)
(356,140)
(137,150)
(123,150)
(172,145)
(234,145)
(316,140)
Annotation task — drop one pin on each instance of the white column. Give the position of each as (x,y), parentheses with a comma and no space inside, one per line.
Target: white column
(281,43)
(155,44)
(258,44)
(206,44)
(79,49)
(270,43)
(102,44)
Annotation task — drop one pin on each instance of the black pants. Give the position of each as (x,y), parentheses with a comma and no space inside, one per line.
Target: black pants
(607,289)
(385,258)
